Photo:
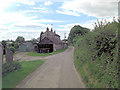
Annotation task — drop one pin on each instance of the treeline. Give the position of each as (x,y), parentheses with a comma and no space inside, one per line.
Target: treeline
(96,54)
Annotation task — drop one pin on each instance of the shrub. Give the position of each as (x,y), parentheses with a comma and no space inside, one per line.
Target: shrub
(7,68)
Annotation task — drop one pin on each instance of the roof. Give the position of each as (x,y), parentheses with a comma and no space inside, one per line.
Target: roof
(56,41)
(49,40)
(52,33)
(57,35)
(46,41)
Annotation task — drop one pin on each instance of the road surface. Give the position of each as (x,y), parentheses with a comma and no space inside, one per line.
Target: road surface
(57,72)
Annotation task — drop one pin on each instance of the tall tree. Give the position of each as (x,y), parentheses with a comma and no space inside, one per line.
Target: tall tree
(20,39)
(77,30)
(33,40)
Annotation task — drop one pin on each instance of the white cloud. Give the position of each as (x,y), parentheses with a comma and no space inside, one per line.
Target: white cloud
(21,26)
(96,8)
(67,12)
(9,18)
(28,34)
(48,20)
(47,3)
(28,2)
(3,5)
(18,5)
(38,9)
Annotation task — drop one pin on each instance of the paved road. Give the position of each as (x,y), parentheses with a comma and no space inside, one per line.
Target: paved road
(57,72)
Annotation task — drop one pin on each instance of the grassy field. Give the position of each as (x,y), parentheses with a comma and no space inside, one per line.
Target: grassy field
(13,78)
(46,54)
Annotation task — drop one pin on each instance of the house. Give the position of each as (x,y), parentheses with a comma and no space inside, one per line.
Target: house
(50,42)
(26,47)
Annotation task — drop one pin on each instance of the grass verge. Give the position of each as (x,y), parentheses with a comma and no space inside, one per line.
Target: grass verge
(46,54)
(13,78)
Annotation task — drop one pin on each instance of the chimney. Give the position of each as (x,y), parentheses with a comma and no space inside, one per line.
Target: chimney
(51,30)
(47,29)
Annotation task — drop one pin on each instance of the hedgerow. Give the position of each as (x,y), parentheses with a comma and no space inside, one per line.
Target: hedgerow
(96,56)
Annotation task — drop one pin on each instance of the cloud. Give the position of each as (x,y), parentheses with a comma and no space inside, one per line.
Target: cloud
(28,34)
(48,3)
(11,18)
(28,26)
(48,20)
(38,9)
(96,8)
(28,2)
(18,5)
(67,12)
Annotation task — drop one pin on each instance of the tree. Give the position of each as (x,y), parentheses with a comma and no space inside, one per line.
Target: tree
(77,30)
(33,40)
(4,46)
(4,43)
(20,39)
(16,45)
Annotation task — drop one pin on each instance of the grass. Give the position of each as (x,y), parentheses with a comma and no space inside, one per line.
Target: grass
(46,54)
(13,78)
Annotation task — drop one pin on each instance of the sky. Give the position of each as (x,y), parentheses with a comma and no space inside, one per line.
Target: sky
(28,18)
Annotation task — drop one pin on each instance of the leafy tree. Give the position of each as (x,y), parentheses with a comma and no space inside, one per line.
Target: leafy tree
(20,39)
(16,45)
(77,30)
(4,43)
(33,40)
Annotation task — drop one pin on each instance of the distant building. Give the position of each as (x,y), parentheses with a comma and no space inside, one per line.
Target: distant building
(26,47)
(50,41)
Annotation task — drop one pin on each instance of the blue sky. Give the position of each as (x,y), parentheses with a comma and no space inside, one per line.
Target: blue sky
(28,18)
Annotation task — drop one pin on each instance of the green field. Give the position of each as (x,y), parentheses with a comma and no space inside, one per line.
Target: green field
(46,54)
(13,78)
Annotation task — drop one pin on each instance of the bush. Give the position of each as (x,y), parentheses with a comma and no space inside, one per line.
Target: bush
(12,49)
(7,68)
